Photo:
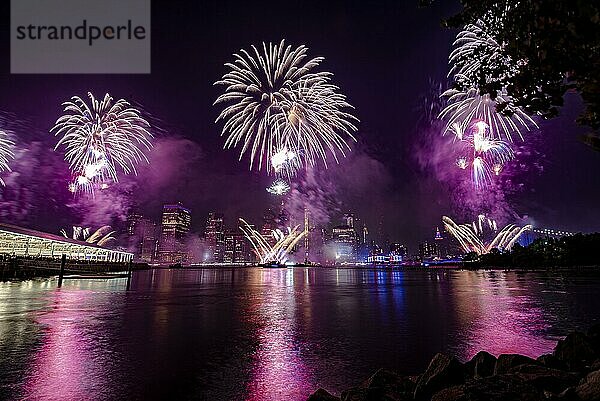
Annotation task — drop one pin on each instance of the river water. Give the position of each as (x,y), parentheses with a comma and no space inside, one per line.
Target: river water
(269,334)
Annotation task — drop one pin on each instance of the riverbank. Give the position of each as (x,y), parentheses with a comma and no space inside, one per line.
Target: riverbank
(570,373)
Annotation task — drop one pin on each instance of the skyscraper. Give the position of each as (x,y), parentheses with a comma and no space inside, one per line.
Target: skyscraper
(214,234)
(236,248)
(142,237)
(175,227)
(344,242)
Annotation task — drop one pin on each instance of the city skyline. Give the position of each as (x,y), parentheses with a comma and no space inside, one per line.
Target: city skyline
(227,240)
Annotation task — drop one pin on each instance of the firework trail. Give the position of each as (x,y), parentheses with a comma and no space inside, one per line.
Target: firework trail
(101,138)
(100,237)
(472,46)
(470,236)
(277,104)
(6,153)
(267,253)
(483,155)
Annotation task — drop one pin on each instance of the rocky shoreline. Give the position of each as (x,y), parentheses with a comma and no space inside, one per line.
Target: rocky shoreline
(570,373)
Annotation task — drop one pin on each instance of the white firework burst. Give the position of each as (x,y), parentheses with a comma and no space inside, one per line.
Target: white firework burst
(284,242)
(101,236)
(6,153)
(465,106)
(474,50)
(276,101)
(101,138)
(471,236)
(483,155)
(278,187)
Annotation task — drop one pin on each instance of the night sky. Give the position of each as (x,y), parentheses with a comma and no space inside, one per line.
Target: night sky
(382,56)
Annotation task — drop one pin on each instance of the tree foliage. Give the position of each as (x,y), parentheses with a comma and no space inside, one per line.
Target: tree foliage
(554,43)
(572,251)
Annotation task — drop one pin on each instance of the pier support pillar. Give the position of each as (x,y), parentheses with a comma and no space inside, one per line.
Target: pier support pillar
(63,261)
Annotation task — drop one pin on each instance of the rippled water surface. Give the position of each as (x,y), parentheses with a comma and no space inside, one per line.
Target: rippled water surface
(269,334)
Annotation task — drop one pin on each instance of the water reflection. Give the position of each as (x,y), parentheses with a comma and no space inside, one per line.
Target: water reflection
(501,314)
(75,358)
(278,371)
(269,334)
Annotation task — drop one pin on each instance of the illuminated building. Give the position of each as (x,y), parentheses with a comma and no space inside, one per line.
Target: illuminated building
(306,236)
(428,250)
(344,242)
(142,237)
(175,227)
(440,244)
(214,234)
(397,253)
(236,248)
(24,242)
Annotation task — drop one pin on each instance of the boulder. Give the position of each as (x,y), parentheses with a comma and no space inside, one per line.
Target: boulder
(593,334)
(575,351)
(568,394)
(365,394)
(322,395)
(493,388)
(589,387)
(506,362)
(442,372)
(550,361)
(391,384)
(544,378)
(481,365)
(454,393)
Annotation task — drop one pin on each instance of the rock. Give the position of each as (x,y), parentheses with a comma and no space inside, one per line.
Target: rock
(589,387)
(593,334)
(493,388)
(551,361)
(442,372)
(391,382)
(567,395)
(544,378)
(506,362)
(322,395)
(575,351)
(365,394)
(454,393)
(481,365)
(595,365)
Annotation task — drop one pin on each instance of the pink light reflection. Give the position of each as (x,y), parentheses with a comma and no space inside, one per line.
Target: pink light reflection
(67,366)
(502,318)
(278,371)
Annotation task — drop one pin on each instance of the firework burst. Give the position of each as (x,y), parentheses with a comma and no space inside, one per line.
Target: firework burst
(277,253)
(6,153)
(100,237)
(471,236)
(278,187)
(474,48)
(276,102)
(465,106)
(481,154)
(101,138)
